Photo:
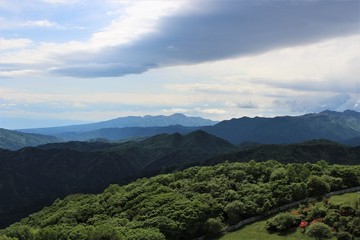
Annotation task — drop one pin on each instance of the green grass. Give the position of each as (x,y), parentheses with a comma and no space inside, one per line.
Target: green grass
(347,198)
(257,231)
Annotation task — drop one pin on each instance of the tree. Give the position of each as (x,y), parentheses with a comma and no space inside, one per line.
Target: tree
(4,237)
(235,210)
(144,234)
(214,225)
(317,186)
(281,222)
(319,231)
(20,232)
(279,174)
(344,236)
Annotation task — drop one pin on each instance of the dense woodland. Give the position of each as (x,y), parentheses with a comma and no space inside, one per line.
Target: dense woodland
(185,204)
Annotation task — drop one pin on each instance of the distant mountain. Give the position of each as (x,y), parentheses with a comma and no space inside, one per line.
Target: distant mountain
(14,140)
(122,122)
(335,126)
(114,134)
(33,177)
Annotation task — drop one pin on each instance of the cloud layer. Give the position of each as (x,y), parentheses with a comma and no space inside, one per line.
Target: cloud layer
(212,30)
(101,59)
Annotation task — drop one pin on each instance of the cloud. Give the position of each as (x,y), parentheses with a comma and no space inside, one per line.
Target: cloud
(248,104)
(6,44)
(39,23)
(318,103)
(65,2)
(213,30)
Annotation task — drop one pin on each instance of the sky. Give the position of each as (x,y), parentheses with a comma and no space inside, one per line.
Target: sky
(76,61)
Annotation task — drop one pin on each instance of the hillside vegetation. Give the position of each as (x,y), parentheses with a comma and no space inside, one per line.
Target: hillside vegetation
(311,151)
(33,177)
(14,140)
(184,204)
(341,212)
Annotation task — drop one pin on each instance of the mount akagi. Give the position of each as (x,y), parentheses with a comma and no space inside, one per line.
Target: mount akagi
(342,127)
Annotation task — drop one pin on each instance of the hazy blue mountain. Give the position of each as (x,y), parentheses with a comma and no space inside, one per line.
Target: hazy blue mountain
(14,140)
(132,121)
(115,134)
(336,126)
(34,176)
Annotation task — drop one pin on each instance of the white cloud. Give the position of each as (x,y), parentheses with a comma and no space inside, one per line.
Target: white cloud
(66,2)
(18,43)
(135,20)
(211,111)
(39,23)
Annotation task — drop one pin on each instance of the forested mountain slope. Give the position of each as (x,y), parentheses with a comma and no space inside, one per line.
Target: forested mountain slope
(185,204)
(32,177)
(335,126)
(311,151)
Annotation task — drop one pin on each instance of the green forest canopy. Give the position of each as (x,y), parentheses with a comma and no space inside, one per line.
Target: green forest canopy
(184,204)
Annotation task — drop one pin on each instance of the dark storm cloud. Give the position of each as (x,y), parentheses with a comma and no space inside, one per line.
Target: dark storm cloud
(219,30)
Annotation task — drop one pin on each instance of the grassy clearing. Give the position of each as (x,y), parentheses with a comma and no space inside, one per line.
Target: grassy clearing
(257,231)
(348,198)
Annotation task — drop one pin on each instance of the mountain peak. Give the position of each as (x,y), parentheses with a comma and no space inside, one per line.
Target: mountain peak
(178,115)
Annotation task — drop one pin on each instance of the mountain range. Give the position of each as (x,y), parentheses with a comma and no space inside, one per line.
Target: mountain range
(342,127)
(123,122)
(33,177)
(116,134)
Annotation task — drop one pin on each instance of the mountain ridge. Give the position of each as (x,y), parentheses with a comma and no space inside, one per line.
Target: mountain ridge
(130,121)
(15,140)
(330,125)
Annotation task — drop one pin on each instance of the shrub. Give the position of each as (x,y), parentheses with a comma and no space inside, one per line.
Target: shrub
(214,225)
(282,222)
(319,231)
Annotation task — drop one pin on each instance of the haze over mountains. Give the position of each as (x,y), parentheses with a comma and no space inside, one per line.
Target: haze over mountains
(32,177)
(342,127)
(131,121)
(15,140)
